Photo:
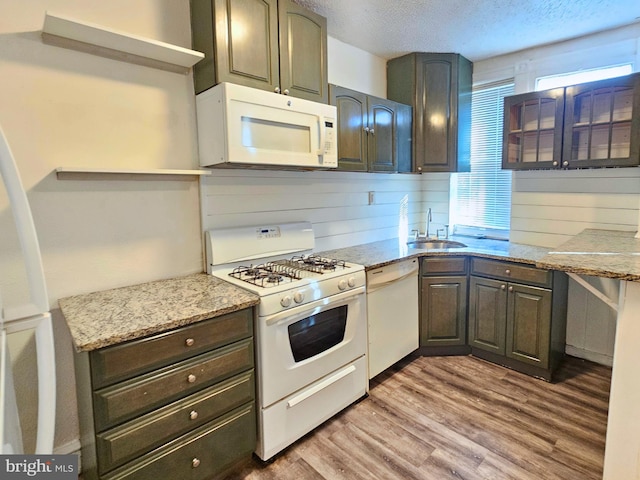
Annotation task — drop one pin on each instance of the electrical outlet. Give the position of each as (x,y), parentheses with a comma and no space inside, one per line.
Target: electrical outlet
(372,198)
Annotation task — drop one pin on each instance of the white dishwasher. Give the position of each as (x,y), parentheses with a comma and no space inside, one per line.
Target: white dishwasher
(392,314)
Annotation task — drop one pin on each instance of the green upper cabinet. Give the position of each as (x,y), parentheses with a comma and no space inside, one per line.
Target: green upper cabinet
(273,45)
(533,130)
(594,124)
(374,134)
(438,87)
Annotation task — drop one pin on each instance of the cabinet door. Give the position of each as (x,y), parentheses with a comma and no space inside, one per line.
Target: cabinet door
(381,135)
(303,52)
(602,121)
(443,311)
(240,42)
(352,120)
(487,314)
(404,126)
(528,324)
(532,136)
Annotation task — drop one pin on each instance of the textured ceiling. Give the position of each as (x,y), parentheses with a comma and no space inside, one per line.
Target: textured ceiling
(478,29)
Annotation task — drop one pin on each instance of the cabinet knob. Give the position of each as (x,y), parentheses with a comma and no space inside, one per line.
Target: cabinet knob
(371,131)
(366,129)
(511,289)
(195,463)
(277,89)
(193,415)
(503,287)
(565,164)
(555,164)
(191,378)
(189,342)
(419,169)
(286,91)
(507,272)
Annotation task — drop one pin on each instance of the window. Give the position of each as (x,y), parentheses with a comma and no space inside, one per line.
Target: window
(582,76)
(480,200)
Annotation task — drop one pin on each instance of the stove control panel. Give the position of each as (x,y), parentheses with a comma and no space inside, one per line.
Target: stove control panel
(268,232)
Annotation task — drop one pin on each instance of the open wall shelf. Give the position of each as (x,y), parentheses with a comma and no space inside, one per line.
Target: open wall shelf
(66,32)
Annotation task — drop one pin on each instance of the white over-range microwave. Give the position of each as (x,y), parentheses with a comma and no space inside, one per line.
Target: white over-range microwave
(243,126)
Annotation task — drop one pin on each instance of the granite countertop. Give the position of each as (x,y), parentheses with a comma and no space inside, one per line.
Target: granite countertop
(602,253)
(105,318)
(384,252)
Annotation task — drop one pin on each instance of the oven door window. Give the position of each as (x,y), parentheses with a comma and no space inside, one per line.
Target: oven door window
(317,333)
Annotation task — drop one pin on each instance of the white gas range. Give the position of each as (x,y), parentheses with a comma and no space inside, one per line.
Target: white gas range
(310,328)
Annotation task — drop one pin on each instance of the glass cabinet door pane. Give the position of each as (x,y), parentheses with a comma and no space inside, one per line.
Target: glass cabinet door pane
(622,104)
(515,117)
(547,113)
(621,140)
(530,148)
(531,111)
(515,142)
(582,109)
(545,148)
(599,142)
(580,144)
(601,106)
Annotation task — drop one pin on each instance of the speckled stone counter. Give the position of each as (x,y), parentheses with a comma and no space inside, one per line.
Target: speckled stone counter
(602,253)
(378,254)
(109,317)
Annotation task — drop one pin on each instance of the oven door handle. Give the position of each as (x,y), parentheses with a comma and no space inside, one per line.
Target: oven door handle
(290,314)
(321,386)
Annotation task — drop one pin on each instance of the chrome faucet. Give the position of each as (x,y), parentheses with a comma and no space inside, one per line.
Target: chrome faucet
(429,219)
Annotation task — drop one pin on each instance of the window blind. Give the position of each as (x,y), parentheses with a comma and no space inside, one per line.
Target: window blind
(481,199)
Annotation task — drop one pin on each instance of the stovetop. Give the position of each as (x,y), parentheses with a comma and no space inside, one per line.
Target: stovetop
(277,272)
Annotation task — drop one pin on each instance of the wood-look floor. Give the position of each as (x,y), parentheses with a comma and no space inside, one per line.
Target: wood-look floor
(437,418)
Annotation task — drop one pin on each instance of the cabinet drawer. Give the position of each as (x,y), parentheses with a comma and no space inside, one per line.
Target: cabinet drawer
(123,401)
(201,454)
(114,364)
(444,265)
(119,445)
(510,271)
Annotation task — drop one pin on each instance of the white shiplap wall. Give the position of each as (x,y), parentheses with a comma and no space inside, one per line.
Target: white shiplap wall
(336,203)
(548,208)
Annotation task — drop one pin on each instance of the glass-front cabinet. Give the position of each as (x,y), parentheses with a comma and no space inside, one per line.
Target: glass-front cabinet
(533,130)
(593,124)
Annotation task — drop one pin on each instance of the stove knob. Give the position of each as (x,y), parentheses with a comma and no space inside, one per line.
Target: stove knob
(342,284)
(352,282)
(286,301)
(298,297)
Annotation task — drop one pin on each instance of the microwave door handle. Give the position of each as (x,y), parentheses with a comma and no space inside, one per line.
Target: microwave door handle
(322,135)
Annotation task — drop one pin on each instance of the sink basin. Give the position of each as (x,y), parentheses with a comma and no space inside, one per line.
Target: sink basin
(434,243)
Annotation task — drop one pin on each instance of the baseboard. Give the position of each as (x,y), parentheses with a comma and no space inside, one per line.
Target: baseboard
(598,358)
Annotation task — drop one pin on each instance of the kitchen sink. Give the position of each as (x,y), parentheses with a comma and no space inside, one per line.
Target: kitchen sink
(434,243)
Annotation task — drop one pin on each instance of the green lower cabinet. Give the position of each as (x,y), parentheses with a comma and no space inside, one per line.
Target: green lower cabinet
(521,326)
(200,455)
(443,305)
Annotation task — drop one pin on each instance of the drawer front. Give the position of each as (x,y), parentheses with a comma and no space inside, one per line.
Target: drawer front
(126,400)
(510,271)
(119,445)
(444,265)
(121,362)
(199,455)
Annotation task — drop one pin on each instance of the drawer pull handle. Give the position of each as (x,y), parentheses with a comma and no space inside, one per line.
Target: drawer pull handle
(195,463)
(507,271)
(189,342)
(191,378)
(193,414)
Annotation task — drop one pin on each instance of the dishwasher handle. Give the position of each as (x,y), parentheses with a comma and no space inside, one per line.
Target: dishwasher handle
(373,284)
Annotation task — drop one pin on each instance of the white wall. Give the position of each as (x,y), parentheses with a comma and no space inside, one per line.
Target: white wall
(60,107)
(548,207)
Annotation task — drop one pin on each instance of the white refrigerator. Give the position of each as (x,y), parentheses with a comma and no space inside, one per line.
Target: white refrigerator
(29,312)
